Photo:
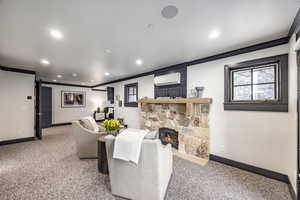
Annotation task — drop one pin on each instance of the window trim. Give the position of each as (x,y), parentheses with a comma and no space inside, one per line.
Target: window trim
(279,105)
(126,103)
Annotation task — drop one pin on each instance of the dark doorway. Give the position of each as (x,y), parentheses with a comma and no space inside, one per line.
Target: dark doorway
(46,104)
(38,114)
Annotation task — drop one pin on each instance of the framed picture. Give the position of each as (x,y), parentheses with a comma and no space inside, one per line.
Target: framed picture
(72,99)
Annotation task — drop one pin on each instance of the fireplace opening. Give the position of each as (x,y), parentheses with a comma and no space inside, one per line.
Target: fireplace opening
(169,136)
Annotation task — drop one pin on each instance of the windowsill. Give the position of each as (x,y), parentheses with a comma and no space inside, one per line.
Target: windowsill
(133,104)
(257,101)
(257,106)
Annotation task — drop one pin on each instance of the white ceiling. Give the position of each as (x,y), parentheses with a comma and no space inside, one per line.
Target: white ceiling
(92,26)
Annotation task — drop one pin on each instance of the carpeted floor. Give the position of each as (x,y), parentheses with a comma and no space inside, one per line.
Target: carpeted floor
(49,169)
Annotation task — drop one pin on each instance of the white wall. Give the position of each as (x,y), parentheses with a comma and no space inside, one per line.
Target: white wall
(64,115)
(262,139)
(130,114)
(292,135)
(16,111)
(255,138)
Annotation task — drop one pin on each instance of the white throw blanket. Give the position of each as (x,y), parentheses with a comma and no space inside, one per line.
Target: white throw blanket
(128,144)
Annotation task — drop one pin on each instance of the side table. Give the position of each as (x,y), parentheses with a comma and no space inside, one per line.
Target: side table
(102,156)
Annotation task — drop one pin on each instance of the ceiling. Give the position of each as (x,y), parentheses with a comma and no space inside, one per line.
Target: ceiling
(109,36)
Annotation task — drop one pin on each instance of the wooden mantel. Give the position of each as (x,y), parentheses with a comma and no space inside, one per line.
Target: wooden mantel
(179,100)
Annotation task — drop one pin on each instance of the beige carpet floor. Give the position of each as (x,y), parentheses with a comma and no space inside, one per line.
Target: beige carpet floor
(49,169)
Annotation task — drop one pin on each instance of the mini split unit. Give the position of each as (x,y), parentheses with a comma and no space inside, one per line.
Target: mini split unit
(168,79)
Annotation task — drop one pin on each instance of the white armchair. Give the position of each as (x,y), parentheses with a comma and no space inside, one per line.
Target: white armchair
(86,141)
(146,181)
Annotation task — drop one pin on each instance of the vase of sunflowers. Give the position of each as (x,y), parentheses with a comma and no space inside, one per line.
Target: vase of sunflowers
(111,126)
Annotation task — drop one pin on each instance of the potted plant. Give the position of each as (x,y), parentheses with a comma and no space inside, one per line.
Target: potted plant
(112,126)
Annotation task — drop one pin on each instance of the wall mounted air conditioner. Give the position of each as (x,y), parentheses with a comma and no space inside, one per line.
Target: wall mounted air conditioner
(297,46)
(168,79)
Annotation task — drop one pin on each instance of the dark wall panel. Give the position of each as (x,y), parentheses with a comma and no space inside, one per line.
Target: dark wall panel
(111,94)
(178,90)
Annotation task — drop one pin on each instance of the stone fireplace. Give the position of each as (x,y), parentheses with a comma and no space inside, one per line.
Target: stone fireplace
(181,122)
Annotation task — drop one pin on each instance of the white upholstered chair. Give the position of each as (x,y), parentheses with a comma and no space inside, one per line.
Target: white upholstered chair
(146,181)
(86,137)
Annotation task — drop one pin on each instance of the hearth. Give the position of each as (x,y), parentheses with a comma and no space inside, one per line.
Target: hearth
(169,136)
(184,123)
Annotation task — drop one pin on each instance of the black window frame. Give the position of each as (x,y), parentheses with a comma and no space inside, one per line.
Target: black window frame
(280,104)
(126,95)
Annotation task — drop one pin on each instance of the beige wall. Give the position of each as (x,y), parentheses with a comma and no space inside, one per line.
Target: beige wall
(16,111)
(64,115)
(145,89)
(292,135)
(262,139)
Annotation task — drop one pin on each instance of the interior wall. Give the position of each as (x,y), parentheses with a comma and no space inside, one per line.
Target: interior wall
(131,115)
(65,115)
(262,139)
(292,135)
(255,138)
(16,111)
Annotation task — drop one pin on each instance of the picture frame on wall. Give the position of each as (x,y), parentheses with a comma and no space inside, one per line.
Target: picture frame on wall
(70,99)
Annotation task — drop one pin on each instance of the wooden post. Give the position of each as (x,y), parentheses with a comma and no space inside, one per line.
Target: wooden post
(189,109)
(145,107)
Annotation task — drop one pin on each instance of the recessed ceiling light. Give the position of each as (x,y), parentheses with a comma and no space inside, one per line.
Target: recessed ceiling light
(150,25)
(106,73)
(214,34)
(108,51)
(45,62)
(54,80)
(56,34)
(169,12)
(138,62)
(59,76)
(92,80)
(74,74)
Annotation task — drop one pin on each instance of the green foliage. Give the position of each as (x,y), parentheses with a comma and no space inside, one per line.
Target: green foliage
(111,124)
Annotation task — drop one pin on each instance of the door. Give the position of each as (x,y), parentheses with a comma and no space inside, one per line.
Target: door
(46,102)
(38,114)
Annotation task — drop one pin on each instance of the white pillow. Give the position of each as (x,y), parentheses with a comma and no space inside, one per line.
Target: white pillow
(86,124)
(93,123)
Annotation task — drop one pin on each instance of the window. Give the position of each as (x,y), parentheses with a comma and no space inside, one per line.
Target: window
(255,83)
(131,95)
(258,85)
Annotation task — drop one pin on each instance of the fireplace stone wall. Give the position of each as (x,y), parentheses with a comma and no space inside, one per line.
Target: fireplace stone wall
(191,123)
